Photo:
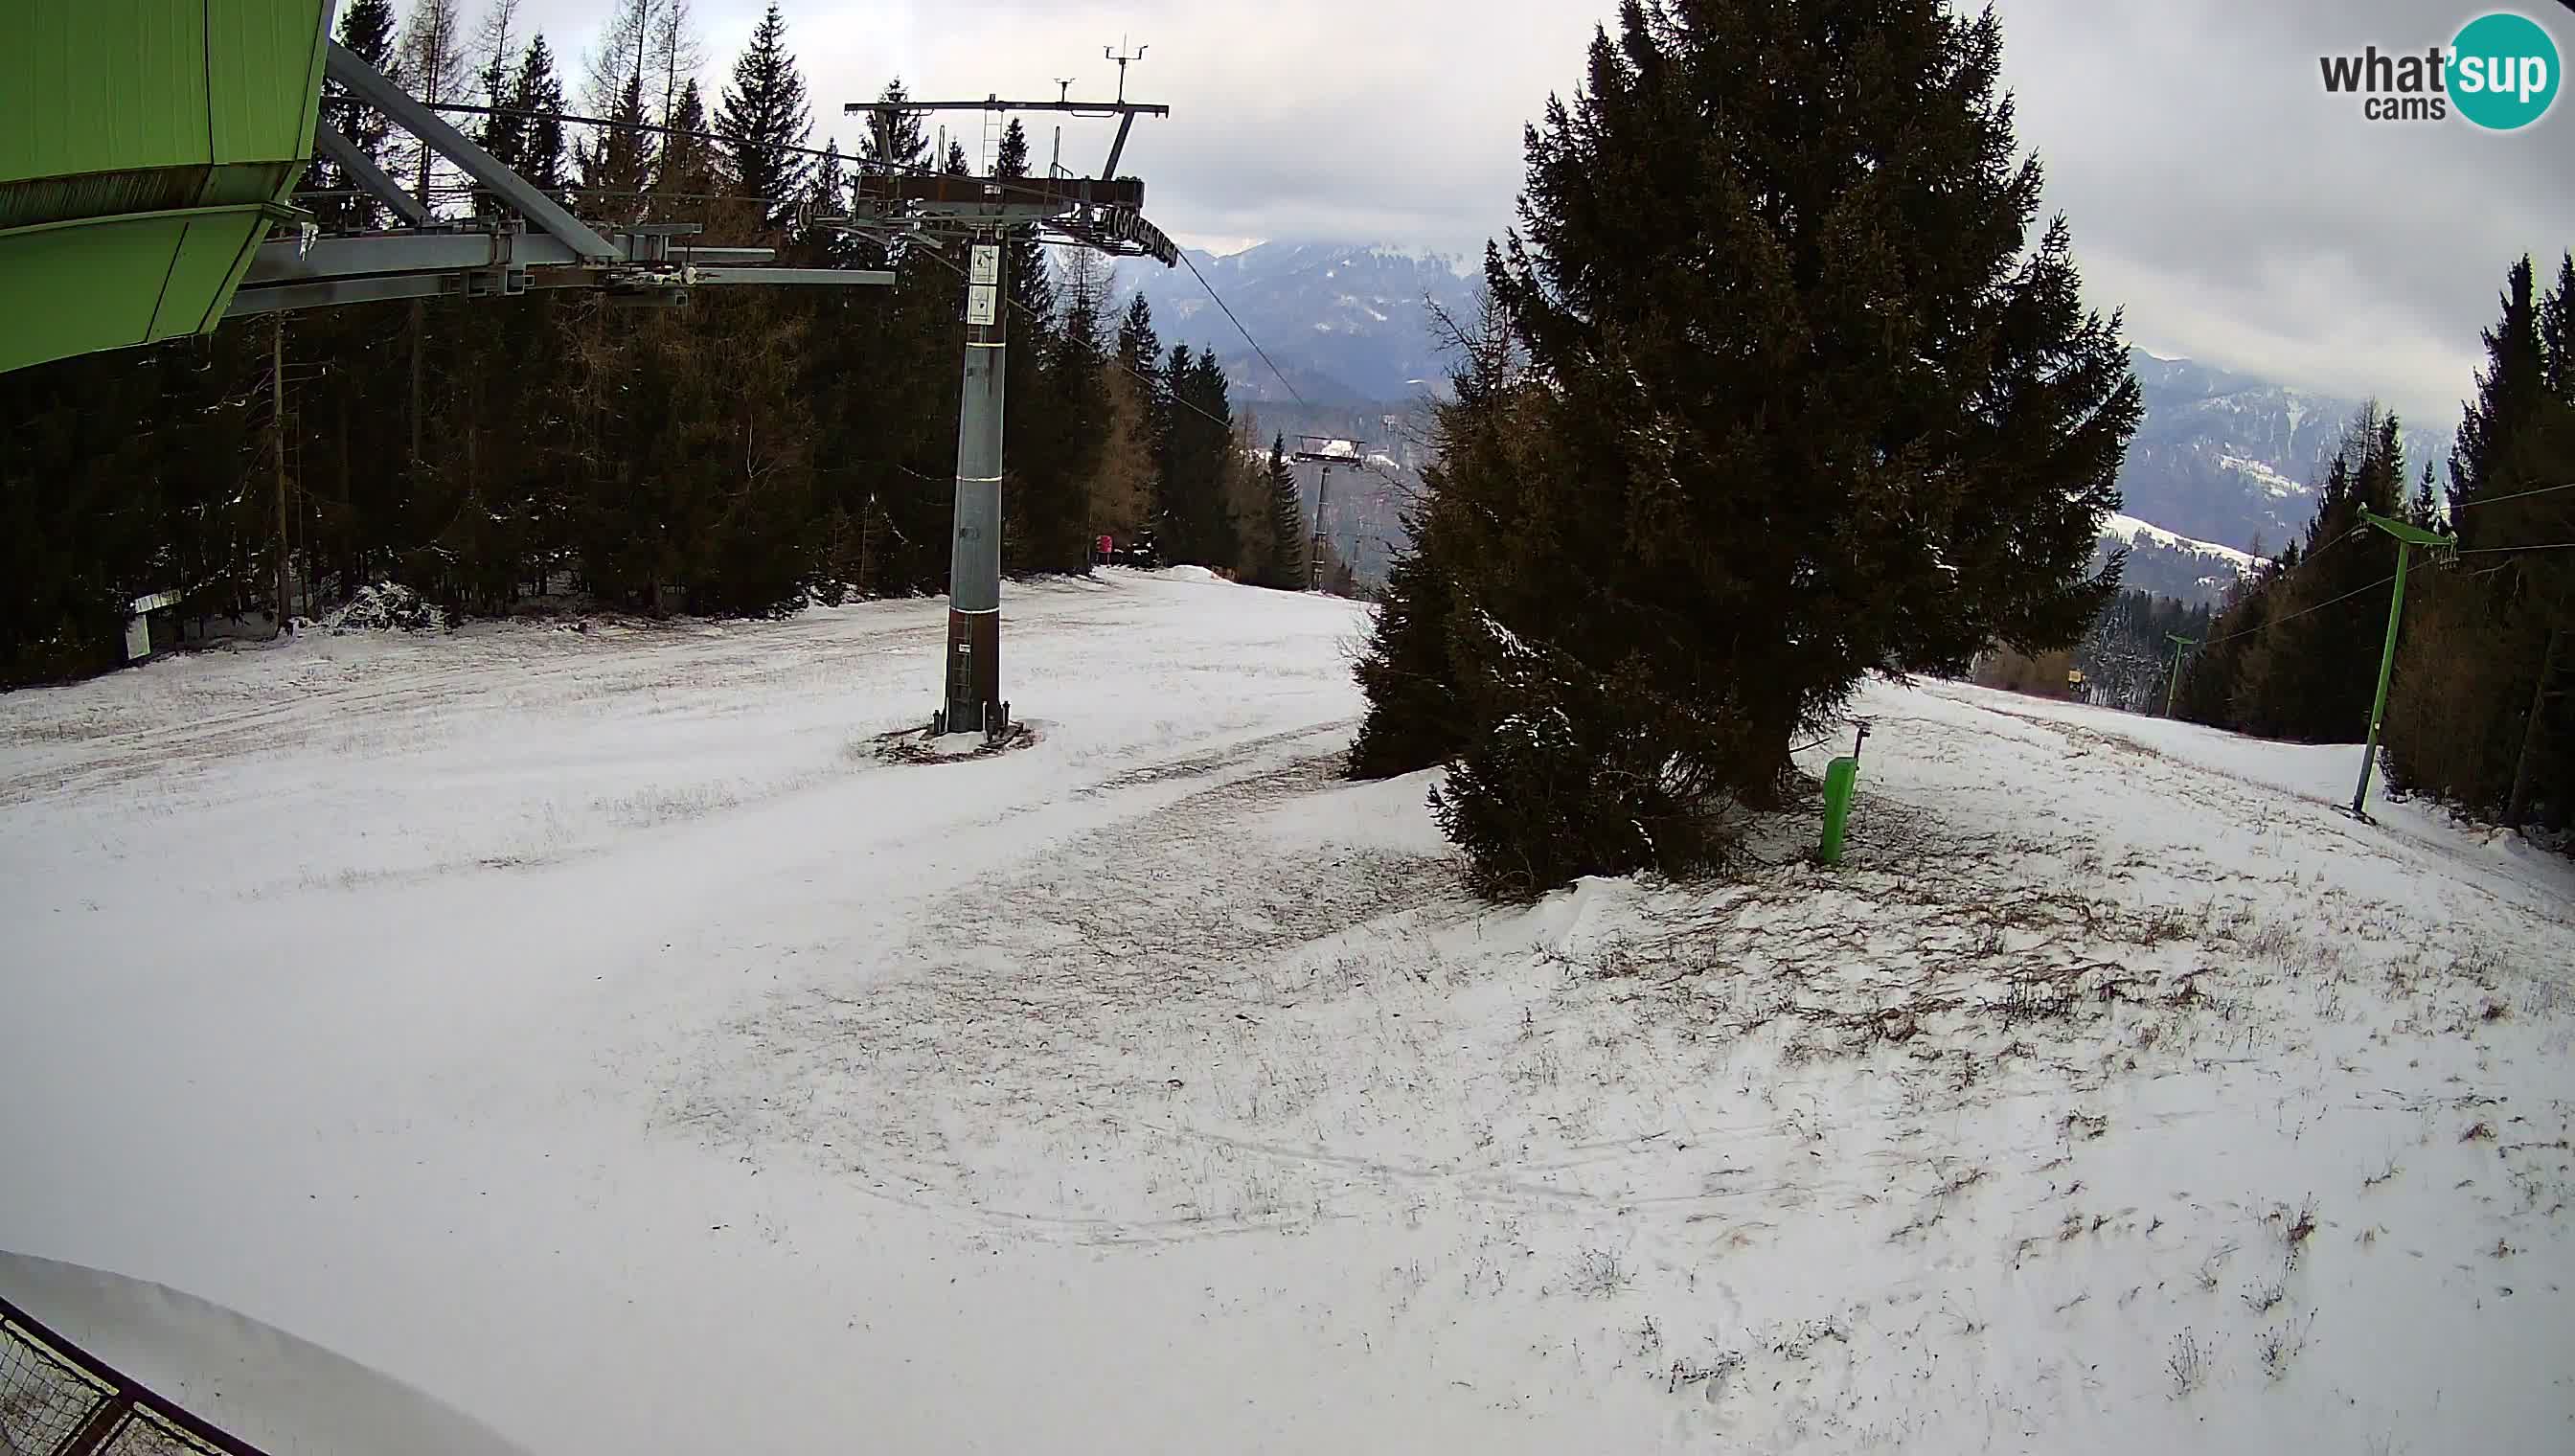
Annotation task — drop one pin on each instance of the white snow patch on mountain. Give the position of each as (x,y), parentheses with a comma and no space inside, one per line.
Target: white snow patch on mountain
(2133,531)
(2270,479)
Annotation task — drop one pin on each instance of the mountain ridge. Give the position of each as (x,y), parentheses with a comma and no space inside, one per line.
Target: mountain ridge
(2224,462)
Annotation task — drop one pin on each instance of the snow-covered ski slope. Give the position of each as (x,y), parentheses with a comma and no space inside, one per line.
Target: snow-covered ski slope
(589,1029)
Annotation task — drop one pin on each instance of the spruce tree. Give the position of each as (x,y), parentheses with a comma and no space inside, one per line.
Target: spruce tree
(2481,713)
(504,132)
(903,145)
(1192,516)
(1176,459)
(689,169)
(618,168)
(1287,568)
(536,88)
(1078,390)
(366,28)
(2509,385)
(1138,349)
(1406,671)
(1031,283)
(826,196)
(763,116)
(1813,404)
(1209,394)
(2312,673)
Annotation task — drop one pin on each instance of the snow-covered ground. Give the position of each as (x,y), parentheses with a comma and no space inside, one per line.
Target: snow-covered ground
(2132,532)
(592,1030)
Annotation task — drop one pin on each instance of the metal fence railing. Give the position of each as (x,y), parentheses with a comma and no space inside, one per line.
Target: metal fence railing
(57,1399)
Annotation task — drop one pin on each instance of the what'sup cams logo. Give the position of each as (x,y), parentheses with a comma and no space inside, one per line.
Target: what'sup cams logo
(2500,72)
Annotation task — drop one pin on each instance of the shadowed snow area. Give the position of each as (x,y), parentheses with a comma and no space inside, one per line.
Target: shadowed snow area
(256,1384)
(591,1030)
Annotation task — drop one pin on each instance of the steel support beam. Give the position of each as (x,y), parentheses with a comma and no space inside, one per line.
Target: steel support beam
(289,294)
(541,211)
(1117,147)
(1028,197)
(995,103)
(325,293)
(467,250)
(358,255)
(829,276)
(724,257)
(371,179)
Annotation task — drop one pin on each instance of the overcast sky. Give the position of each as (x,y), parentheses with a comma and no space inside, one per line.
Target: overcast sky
(2239,214)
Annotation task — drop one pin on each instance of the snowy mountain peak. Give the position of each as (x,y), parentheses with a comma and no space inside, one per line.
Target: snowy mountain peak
(2229,459)
(1348,322)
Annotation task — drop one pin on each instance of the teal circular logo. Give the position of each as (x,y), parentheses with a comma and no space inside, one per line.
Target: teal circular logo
(2503,71)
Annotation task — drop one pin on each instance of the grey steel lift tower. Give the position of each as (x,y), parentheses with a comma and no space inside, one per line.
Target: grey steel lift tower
(1105,214)
(1358,457)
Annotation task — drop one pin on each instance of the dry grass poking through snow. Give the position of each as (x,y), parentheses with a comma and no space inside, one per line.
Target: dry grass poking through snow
(2074,1125)
(2115,1096)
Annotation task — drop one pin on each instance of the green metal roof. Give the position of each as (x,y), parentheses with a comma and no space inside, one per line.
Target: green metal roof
(146,148)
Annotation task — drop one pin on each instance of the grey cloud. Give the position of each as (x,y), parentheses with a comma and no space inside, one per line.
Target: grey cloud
(2239,213)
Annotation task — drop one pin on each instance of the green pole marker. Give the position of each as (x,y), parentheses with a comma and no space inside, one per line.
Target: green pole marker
(2407,536)
(1840,776)
(2181,644)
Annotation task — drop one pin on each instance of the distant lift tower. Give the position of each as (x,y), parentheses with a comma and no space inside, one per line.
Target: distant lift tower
(1320,450)
(1105,214)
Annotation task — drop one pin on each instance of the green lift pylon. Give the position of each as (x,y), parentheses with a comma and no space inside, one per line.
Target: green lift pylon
(2407,536)
(2181,647)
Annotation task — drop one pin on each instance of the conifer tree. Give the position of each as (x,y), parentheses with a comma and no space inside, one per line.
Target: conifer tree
(2311,675)
(903,145)
(1288,568)
(1814,403)
(536,88)
(617,169)
(367,29)
(689,168)
(1195,524)
(826,196)
(1138,349)
(2509,385)
(2482,712)
(763,117)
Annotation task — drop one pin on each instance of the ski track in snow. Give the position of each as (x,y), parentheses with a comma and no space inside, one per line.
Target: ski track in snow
(588,1028)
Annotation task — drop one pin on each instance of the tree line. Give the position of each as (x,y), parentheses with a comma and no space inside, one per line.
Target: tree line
(758,448)
(2124,659)
(2479,713)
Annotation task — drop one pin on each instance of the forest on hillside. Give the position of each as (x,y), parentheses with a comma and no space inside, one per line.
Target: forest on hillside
(756,448)
(1704,470)
(2479,712)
